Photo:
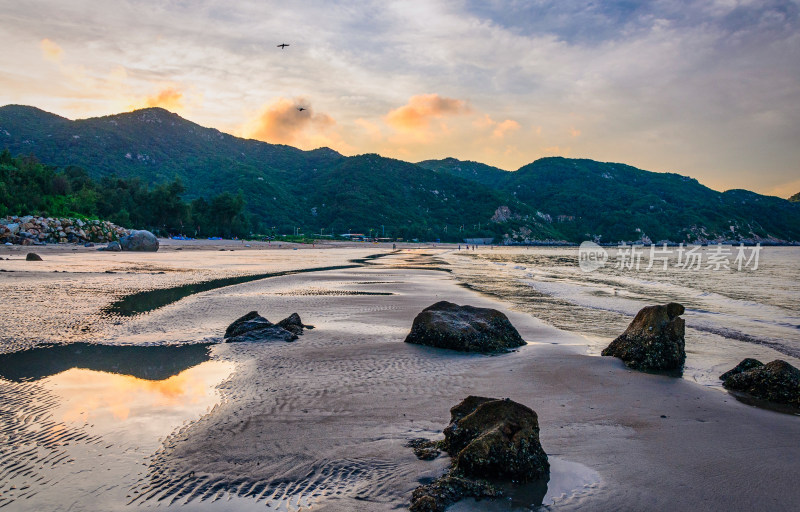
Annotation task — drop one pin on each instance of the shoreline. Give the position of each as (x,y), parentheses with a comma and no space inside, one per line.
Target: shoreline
(323,420)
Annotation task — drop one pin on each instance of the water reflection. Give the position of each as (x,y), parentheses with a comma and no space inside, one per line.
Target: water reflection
(80,439)
(151,363)
(133,407)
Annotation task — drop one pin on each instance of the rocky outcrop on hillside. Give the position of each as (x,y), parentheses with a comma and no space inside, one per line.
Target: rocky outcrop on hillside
(30,230)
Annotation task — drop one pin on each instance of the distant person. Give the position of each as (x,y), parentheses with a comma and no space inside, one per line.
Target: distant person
(459,247)
(394,247)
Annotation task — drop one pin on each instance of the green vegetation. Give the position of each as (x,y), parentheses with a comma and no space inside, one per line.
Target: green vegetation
(151,168)
(795,198)
(28,187)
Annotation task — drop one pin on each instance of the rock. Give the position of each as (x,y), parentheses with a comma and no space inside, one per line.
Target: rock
(746,364)
(425,449)
(491,438)
(654,340)
(777,382)
(464,328)
(442,492)
(254,327)
(89,244)
(141,240)
(32,256)
(112,246)
(293,324)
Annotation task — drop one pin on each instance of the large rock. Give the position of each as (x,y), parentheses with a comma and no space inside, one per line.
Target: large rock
(464,328)
(491,438)
(254,327)
(139,241)
(32,256)
(777,381)
(654,340)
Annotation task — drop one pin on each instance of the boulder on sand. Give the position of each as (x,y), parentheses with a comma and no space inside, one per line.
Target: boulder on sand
(746,364)
(464,328)
(254,327)
(32,256)
(492,438)
(777,381)
(654,340)
(489,439)
(140,240)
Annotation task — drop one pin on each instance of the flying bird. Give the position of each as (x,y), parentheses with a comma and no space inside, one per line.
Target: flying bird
(282,46)
(300,109)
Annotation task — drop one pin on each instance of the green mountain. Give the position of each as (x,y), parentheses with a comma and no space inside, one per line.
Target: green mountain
(283,187)
(620,202)
(323,191)
(475,171)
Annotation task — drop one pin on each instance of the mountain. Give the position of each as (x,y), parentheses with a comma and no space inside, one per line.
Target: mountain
(795,198)
(619,202)
(475,171)
(283,186)
(323,191)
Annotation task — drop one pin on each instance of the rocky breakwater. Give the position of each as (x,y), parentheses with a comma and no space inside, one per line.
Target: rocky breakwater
(654,340)
(464,328)
(30,230)
(489,440)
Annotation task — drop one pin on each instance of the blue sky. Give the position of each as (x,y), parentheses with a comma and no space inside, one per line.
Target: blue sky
(710,89)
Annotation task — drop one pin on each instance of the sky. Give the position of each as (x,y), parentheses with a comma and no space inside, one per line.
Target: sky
(706,88)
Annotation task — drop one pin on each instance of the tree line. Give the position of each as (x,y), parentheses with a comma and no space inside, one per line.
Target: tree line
(28,187)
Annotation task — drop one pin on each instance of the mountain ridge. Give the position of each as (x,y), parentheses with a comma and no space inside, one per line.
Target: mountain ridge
(552,198)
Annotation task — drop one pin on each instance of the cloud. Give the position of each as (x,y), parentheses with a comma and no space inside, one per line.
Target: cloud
(503,128)
(420,110)
(170,98)
(51,51)
(282,122)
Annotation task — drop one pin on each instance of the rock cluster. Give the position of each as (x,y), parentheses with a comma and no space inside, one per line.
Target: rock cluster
(777,381)
(254,327)
(487,438)
(654,340)
(464,328)
(32,230)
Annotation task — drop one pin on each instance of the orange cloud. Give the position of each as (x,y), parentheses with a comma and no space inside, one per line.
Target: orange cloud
(574,131)
(283,122)
(169,98)
(51,51)
(503,128)
(421,109)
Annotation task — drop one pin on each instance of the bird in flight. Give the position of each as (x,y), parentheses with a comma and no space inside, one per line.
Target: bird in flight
(282,46)
(300,109)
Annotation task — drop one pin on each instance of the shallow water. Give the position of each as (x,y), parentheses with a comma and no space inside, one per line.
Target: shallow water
(80,438)
(730,314)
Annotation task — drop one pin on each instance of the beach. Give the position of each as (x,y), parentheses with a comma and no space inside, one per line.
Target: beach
(321,423)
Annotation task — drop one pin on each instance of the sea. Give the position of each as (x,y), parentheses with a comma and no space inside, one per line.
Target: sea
(740,301)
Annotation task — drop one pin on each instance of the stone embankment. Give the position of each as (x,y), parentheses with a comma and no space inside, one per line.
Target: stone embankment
(32,230)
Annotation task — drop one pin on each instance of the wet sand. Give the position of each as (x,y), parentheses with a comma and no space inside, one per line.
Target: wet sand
(323,421)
